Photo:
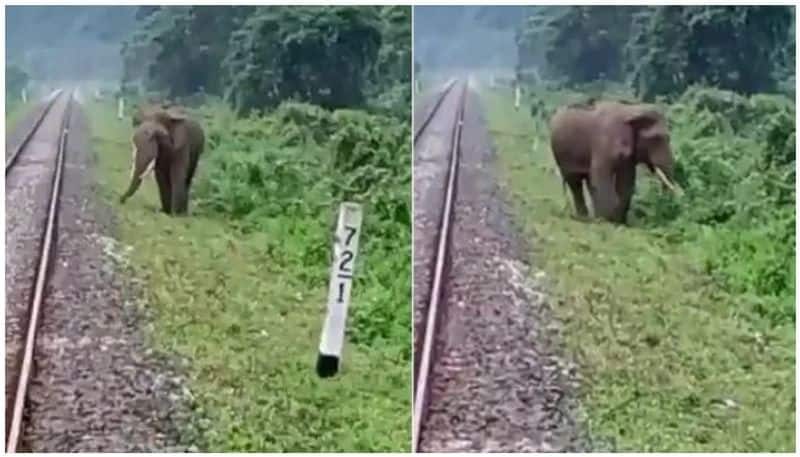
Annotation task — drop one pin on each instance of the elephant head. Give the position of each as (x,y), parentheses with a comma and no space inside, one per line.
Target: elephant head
(651,142)
(150,139)
(160,111)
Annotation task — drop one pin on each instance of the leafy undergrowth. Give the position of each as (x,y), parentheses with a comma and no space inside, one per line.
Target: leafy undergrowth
(239,287)
(684,326)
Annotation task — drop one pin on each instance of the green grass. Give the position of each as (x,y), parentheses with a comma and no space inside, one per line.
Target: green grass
(672,362)
(15,110)
(250,326)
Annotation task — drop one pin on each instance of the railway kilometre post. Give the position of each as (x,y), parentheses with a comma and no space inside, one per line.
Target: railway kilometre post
(345,247)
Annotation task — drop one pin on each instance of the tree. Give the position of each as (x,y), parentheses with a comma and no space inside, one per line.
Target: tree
(662,50)
(179,50)
(579,43)
(394,58)
(318,55)
(735,48)
(16,80)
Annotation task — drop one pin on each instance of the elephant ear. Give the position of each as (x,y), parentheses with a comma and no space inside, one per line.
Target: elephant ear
(643,117)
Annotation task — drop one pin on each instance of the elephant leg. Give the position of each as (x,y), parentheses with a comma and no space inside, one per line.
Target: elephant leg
(575,183)
(190,173)
(603,192)
(164,188)
(625,185)
(178,172)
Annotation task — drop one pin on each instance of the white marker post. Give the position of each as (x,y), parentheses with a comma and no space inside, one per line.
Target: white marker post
(345,247)
(120,108)
(24,95)
(517,96)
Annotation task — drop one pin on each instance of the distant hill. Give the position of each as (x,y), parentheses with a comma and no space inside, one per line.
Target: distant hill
(466,36)
(68,42)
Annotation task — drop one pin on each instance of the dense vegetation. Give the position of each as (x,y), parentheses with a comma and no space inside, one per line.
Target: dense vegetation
(747,230)
(724,76)
(238,289)
(286,173)
(303,107)
(257,57)
(719,137)
(280,161)
(684,328)
(663,50)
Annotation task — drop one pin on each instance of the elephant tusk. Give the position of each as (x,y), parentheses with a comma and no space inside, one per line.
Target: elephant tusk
(149,169)
(667,182)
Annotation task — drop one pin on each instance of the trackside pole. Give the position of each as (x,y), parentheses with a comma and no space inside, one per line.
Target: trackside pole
(517,96)
(120,108)
(24,95)
(345,247)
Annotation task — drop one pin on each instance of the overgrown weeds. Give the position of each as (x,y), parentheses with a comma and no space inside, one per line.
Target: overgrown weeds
(239,286)
(683,322)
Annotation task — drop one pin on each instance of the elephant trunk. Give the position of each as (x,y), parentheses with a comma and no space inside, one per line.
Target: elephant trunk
(132,188)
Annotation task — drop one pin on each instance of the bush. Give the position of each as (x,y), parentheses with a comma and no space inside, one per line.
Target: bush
(735,158)
(16,80)
(286,173)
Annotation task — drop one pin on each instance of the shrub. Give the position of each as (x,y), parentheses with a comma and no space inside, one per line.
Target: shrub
(735,158)
(285,173)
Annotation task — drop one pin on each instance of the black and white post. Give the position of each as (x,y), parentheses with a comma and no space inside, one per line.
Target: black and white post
(345,247)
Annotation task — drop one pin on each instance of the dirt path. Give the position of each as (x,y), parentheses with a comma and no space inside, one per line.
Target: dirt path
(96,385)
(500,384)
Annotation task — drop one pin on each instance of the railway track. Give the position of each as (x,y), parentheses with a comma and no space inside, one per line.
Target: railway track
(432,310)
(488,375)
(11,160)
(47,249)
(432,112)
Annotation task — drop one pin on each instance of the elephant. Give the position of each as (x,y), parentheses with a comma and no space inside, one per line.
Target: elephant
(170,143)
(150,110)
(602,142)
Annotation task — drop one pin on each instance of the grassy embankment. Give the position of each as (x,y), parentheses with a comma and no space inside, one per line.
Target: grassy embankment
(240,286)
(683,322)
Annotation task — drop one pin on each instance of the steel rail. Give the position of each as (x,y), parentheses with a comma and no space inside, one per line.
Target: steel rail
(433,111)
(27,138)
(45,258)
(421,387)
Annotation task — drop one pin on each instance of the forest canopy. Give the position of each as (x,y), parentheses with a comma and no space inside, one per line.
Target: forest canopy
(257,57)
(661,51)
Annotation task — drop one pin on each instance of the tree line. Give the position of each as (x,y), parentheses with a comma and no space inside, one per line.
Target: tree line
(256,57)
(662,50)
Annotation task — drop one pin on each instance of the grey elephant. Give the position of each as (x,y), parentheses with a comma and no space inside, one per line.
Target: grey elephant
(600,143)
(169,143)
